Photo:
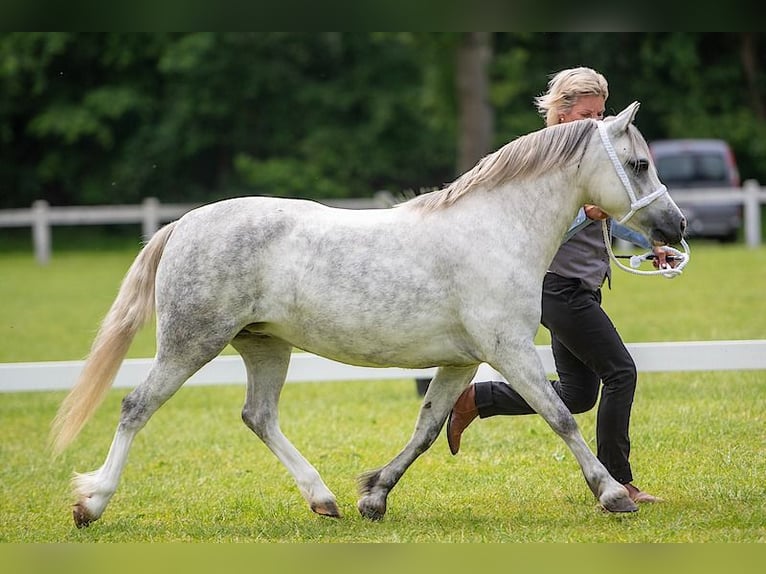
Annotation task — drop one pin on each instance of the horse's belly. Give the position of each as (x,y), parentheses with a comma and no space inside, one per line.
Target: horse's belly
(380,349)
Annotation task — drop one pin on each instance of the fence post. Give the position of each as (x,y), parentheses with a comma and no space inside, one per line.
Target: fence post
(41,231)
(151,217)
(752,214)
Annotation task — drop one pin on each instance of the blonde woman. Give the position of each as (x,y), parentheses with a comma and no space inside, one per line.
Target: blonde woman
(588,351)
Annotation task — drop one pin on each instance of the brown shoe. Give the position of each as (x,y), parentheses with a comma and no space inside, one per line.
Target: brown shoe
(463,412)
(638,496)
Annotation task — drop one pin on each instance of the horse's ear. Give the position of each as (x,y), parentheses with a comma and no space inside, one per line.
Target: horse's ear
(626,117)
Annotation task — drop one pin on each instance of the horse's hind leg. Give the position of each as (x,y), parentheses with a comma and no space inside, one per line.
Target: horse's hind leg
(93,490)
(266,360)
(375,485)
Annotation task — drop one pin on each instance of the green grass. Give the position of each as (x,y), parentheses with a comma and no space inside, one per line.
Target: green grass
(52,312)
(197,474)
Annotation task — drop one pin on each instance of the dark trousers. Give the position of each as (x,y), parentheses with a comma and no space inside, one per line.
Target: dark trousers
(588,351)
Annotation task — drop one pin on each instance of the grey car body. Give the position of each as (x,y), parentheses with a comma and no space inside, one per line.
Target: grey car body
(698,164)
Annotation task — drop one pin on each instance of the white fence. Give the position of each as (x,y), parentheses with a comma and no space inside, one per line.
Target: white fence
(305,367)
(151,213)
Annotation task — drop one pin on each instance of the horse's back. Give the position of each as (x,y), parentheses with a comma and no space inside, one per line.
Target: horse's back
(261,219)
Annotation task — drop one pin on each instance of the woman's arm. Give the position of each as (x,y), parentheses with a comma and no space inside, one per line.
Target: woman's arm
(629,235)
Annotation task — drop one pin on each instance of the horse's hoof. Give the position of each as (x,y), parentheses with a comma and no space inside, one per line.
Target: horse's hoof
(82,518)
(329,508)
(370,511)
(619,504)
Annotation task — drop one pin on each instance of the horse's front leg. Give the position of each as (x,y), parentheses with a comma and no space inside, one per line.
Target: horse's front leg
(525,373)
(375,485)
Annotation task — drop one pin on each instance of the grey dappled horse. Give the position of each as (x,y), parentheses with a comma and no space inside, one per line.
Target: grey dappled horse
(449,279)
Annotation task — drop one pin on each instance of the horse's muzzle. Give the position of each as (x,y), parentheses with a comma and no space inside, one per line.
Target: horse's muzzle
(670,233)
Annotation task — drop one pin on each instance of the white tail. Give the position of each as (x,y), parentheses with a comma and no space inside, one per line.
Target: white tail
(132,308)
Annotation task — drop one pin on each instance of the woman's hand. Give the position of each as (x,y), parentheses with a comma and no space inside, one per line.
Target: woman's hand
(660,258)
(594,212)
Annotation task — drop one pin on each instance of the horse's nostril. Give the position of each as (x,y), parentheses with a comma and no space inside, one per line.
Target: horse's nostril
(683,225)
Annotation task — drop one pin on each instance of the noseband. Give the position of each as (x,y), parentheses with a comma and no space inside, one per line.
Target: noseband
(635,205)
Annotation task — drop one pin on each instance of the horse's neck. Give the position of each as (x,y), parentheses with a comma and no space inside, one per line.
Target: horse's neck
(542,209)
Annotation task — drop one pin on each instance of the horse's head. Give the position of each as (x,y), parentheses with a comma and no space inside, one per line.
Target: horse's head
(624,182)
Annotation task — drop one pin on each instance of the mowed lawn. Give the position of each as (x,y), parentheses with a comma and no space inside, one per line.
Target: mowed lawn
(196,473)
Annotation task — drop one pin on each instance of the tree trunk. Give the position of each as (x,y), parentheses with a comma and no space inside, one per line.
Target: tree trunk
(748,51)
(475,122)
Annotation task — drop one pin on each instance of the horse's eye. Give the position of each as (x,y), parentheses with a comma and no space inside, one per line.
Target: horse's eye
(638,165)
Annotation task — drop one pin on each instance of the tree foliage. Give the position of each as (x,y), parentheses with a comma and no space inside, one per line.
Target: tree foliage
(90,118)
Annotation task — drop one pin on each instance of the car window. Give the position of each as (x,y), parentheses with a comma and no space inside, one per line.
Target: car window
(690,168)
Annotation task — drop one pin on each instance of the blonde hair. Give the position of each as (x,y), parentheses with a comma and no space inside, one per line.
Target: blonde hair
(565,87)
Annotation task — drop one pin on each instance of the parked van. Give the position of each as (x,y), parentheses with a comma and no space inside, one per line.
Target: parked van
(698,164)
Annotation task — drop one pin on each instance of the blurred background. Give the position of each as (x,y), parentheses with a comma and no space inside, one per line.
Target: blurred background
(104,118)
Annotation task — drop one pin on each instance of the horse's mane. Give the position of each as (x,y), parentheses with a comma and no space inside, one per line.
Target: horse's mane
(526,156)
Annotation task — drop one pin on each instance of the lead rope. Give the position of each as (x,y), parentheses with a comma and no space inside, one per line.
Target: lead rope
(635,205)
(636,260)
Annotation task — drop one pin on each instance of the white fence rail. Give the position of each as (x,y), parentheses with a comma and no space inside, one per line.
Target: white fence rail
(305,367)
(151,213)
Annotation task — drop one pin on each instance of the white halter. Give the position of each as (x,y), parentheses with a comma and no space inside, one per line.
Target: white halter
(635,205)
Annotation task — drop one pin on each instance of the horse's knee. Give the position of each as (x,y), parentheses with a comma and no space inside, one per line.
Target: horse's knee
(563,423)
